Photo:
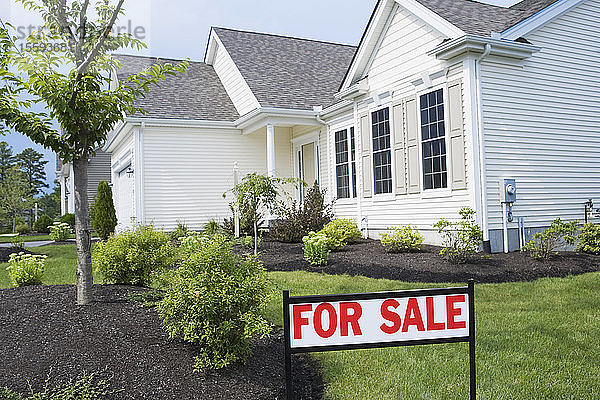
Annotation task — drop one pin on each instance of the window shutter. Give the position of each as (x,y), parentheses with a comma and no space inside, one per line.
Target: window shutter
(365,137)
(412,145)
(457,139)
(399,157)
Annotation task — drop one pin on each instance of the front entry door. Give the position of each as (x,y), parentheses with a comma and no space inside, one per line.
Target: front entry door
(307,167)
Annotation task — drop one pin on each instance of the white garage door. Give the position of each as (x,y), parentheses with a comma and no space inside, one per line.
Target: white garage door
(124,186)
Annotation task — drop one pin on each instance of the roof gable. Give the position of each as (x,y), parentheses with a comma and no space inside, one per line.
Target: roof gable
(286,72)
(195,95)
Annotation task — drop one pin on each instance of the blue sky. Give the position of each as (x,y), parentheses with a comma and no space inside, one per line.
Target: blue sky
(179,29)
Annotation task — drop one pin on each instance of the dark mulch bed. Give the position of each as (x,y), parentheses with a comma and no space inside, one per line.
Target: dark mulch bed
(5,252)
(368,258)
(43,331)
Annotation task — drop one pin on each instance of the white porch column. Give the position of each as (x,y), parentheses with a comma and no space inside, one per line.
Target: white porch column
(270,150)
(63,195)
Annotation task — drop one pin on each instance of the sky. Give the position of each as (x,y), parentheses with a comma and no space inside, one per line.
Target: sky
(180,28)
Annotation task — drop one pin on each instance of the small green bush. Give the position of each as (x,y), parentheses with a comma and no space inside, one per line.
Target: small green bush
(589,239)
(190,243)
(26,269)
(462,239)
(544,245)
(68,218)
(179,232)
(22,229)
(104,216)
(134,256)
(212,228)
(17,242)
(316,248)
(298,220)
(214,300)
(402,239)
(88,387)
(340,232)
(60,231)
(42,224)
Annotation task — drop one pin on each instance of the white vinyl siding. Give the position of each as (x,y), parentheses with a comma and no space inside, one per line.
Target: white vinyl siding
(123,196)
(98,170)
(236,87)
(542,122)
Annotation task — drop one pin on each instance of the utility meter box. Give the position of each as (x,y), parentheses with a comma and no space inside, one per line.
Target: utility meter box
(508,190)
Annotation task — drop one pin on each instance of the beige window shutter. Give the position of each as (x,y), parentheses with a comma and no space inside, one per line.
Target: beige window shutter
(399,149)
(367,168)
(456,135)
(411,124)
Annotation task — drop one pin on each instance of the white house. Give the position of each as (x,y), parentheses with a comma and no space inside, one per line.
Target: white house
(440,102)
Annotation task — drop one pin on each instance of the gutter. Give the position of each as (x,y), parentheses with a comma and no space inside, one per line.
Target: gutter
(478,44)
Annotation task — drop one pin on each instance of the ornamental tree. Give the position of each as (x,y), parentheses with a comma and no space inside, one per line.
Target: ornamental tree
(66,70)
(104,216)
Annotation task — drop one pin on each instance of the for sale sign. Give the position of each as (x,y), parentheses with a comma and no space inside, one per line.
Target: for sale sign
(383,319)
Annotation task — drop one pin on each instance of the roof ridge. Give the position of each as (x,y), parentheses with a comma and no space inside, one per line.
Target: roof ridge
(158,58)
(284,36)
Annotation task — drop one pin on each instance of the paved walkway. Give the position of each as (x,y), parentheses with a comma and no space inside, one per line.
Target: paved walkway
(30,244)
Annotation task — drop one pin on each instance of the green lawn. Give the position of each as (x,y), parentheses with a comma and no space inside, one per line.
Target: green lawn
(27,238)
(535,340)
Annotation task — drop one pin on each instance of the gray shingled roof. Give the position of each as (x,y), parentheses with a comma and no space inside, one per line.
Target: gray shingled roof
(482,19)
(197,95)
(286,72)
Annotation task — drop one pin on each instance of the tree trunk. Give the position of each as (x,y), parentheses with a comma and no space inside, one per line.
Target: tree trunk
(85,278)
(255,237)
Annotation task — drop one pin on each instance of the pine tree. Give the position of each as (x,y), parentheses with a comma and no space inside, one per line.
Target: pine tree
(7,160)
(104,217)
(32,164)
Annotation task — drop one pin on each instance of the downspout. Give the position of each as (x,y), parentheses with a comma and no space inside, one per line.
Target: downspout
(480,139)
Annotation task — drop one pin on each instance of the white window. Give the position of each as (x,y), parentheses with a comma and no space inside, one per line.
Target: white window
(345,163)
(433,140)
(382,154)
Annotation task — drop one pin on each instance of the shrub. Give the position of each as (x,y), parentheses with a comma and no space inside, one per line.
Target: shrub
(402,239)
(213,228)
(298,220)
(214,301)
(60,231)
(42,224)
(26,269)
(316,248)
(104,216)
(17,242)
(189,243)
(68,218)
(340,232)
(88,387)
(22,229)
(546,244)
(462,239)
(134,257)
(179,232)
(589,239)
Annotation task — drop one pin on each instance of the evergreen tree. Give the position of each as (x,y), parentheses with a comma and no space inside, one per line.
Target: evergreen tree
(7,160)
(32,164)
(15,196)
(49,203)
(104,216)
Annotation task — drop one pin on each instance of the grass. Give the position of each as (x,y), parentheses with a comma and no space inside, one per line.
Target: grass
(29,238)
(535,340)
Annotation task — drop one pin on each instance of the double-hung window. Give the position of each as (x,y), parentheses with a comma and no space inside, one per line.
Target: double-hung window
(345,163)
(382,154)
(433,139)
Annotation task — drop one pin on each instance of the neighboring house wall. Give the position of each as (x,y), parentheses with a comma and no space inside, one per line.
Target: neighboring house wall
(98,170)
(394,73)
(542,124)
(238,90)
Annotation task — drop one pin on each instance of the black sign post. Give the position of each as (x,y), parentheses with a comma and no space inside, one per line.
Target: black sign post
(470,338)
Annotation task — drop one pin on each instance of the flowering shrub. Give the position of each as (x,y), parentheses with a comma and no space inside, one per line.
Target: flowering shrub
(402,239)
(546,244)
(461,239)
(339,232)
(60,231)
(214,300)
(589,239)
(134,257)
(26,269)
(316,248)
